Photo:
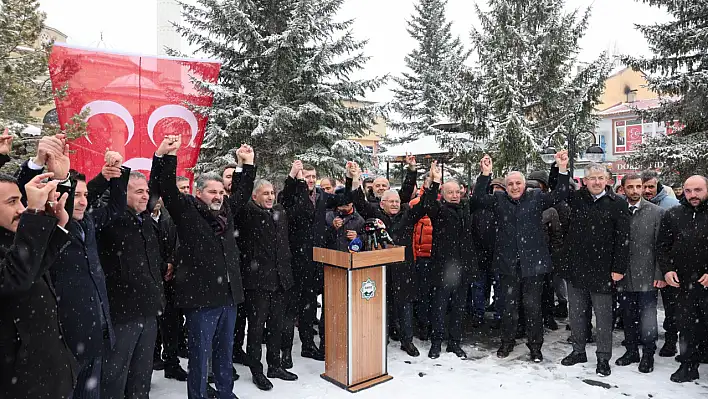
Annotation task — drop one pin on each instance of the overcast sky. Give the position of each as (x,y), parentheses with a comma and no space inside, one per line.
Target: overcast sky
(130,25)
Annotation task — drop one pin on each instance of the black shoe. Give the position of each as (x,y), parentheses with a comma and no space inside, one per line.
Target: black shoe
(393,334)
(454,347)
(536,355)
(312,352)
(210,378)
(175,372)
(158,364)
(435,349)
(410,349)
(262,382)
(550,323)
(281,374)
(561,310)
(574,358)
(591,338)
(603,368)
(628,358)
(567,327)
(286,360)
(646,365)
(239,356)
(686,373)
(669,348)
(234,373)
(183,353)
(212,393)
(505,350)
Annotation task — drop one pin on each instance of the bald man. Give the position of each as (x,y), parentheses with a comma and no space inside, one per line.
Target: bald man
(381,184)
(683,258)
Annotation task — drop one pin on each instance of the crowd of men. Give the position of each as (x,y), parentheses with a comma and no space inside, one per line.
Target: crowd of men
(105,280)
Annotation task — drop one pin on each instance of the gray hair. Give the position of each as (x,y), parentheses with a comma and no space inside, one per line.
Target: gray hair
(452,181)
(260,183)
(506,178)
(648,175)
(205,178)
(389,193)
(137,175)
(595,167)
(181,178)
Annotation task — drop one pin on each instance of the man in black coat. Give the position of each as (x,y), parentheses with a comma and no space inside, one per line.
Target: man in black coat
(78,277)
(130,256)
(683,258)
(597,253)
(267,279)
(208,274)
(35,361)
(400,220)
(521,253)
(454,261)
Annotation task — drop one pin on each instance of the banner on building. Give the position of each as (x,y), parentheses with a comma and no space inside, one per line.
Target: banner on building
(133,101)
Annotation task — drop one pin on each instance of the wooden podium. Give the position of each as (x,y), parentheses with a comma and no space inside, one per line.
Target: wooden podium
(355,315)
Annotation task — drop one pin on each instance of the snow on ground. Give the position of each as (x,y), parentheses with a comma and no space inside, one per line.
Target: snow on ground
(481,375)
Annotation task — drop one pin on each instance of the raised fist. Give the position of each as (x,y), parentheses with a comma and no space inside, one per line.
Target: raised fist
(169,145)
(486,165)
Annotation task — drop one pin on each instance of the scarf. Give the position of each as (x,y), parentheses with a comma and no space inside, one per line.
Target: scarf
(218,220)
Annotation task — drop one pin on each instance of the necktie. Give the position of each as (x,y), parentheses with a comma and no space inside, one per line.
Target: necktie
(633,209)
(81,232)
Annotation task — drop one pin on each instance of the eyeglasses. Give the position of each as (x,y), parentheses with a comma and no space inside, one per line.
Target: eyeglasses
(596,178)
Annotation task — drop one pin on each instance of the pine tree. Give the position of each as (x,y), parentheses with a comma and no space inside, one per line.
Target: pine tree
(284,82)
(423,92)
(678,72)
(528,54)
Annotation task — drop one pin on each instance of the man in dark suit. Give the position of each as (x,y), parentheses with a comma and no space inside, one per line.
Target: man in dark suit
(130,256)
(32,350)
(267,279)
(77,274)
(208,276)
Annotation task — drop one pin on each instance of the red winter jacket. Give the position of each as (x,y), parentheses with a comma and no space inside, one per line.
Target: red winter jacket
(422,234)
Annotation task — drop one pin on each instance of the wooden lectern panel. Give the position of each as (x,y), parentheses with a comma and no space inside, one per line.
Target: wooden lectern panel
(367,341)
(336,323)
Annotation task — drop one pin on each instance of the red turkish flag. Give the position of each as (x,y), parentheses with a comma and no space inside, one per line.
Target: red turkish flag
(134,102)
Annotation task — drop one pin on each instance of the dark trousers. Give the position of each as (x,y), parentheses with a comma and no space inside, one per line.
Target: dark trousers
(210,334)
(579,301)
(693,316)
(548,297)
(423,268)
(523,292)
(669,298)
(240,329)
(88,381)
(265,307)
(299,307)
(170,329)
(127,369)
(405,321)
(456,296)
(640,323)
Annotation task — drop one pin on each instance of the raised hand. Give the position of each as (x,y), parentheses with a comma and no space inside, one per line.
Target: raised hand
(348,170)
(246,154)
(113,158)
(58,158)
(296,169)
(5,142)
(486,165)
(56,206)
(410,161)
(562,160)
(169,146)
(435,173)
(38,191)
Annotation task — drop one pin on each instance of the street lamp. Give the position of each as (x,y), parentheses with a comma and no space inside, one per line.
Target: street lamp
(593,154)
(548,155)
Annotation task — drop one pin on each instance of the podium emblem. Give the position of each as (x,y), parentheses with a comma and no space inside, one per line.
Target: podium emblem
(368,289)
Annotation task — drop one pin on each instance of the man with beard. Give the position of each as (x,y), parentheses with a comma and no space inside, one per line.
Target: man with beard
(683,258)
(77,274)
(658,194)
(638,289)
(35,362)
(227,174)
(267,279)
(130,256)
(207,276)
(454,262)
(521,253)
(597,253)
(399,221)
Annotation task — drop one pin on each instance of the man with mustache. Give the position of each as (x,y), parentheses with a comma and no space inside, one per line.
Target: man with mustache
(77,274)
(207,276)
(267,279)
(521,253)
(32,349)
(683,258)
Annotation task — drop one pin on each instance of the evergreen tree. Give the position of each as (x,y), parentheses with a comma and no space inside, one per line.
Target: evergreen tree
(423,92)
(284,83)
(678,71)
(528,56)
